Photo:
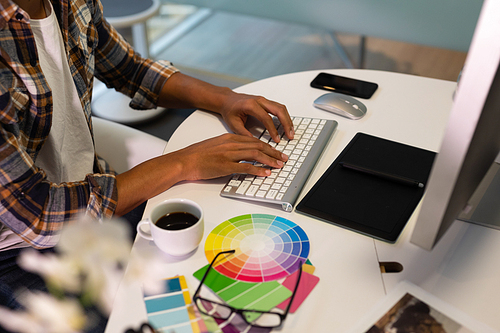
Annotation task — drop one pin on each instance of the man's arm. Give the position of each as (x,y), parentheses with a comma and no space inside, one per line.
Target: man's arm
(152,83)
(215,157)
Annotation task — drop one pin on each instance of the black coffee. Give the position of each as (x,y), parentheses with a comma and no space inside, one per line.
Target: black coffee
(176,221)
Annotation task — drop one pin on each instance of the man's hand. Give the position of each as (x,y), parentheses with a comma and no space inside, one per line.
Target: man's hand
(237,108)
(221,156)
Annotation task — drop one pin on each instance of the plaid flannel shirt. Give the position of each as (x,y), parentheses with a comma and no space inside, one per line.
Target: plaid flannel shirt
(31,206)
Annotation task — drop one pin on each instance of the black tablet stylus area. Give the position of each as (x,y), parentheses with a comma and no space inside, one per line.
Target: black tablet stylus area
(366,202)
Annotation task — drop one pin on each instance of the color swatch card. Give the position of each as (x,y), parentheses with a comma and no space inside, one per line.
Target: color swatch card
(306,285)
(244,295)
(267,247)
(173,311)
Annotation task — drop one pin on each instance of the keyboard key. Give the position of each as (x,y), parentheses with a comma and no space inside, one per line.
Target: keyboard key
(258,181)
(280,180)
(260,194)
(284,174)
(268,181)
(234,183)
(265,187)
(243,187)
(252,190)
(271,194)
(304,141)
(265,138)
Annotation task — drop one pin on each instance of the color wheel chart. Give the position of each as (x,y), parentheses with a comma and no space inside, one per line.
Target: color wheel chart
(267,247)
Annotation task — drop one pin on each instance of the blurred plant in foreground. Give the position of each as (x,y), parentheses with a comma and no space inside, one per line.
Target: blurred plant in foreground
(85,271)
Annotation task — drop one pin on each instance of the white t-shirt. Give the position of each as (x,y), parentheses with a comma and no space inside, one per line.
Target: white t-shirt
(68,153)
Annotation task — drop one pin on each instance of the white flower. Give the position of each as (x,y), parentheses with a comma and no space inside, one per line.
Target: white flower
(44,313)
(89,262)
(101,251)
(57,272)
(89,240)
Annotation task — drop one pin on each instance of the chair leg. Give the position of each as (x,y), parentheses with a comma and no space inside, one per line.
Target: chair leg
(140,39)
(340,49)
(362,51)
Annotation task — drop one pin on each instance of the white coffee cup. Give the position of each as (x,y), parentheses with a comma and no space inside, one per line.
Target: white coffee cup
(174,242)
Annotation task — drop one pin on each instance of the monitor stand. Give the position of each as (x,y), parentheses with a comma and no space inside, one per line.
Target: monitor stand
(483,207)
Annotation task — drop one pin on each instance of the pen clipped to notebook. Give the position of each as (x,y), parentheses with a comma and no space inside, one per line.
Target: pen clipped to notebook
(384,175)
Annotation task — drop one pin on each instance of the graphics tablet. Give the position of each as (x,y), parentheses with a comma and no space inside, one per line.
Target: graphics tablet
(377,202)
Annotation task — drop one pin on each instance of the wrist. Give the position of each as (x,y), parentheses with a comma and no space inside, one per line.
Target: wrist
(220,97)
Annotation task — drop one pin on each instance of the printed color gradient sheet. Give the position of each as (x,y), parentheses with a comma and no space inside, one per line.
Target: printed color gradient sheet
(267,247)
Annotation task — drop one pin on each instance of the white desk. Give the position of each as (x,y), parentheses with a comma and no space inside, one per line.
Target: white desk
(409,109)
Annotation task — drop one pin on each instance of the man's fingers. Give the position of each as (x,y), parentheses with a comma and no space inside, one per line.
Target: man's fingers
(251,149)
(239,128)
(223,155)
(280,111)
(268,123)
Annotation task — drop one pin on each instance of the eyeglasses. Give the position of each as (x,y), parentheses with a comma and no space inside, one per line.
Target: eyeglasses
(262,319)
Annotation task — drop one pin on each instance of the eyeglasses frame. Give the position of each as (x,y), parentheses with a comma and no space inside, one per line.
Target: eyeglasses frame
(240,311)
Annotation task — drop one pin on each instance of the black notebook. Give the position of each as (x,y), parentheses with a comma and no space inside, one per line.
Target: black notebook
(372,187)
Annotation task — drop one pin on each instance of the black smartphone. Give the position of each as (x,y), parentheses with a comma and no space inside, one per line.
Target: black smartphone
(344,85)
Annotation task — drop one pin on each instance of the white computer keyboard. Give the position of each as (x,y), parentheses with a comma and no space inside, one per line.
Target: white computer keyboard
(283,186)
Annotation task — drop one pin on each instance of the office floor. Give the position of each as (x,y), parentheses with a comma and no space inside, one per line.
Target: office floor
(231,50)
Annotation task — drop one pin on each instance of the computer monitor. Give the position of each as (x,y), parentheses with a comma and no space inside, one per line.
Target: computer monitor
(464,181)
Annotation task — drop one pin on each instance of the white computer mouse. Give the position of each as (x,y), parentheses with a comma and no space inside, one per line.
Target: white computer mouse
(341,104)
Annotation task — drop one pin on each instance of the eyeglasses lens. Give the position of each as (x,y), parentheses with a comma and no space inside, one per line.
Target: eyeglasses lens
(213,309)
(266,319)
(220,311)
